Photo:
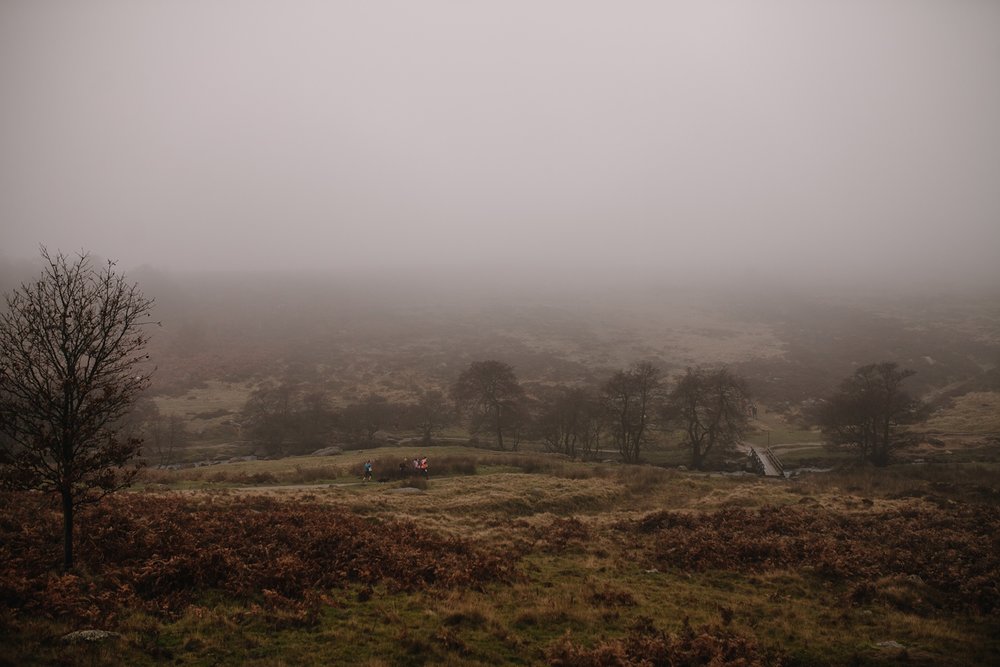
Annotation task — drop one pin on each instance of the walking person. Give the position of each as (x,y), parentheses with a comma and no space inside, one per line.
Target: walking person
(368,471)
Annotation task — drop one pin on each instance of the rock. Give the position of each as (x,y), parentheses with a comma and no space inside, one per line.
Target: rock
(328,451)
(889,644)
(90,636)
(194,644)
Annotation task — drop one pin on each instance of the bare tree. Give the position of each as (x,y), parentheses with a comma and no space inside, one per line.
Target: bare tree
(430,414)
(630,399)
(361,421)
(711,408)
(570,422)
(165,436)
(868,411)
(288,417)
(488,391)
(71,355)
(268,416)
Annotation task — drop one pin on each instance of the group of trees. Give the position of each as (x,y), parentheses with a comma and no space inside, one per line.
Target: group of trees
(710,407)
(299,417)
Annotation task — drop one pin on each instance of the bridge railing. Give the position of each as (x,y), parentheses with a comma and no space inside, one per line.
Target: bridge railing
(756,461)
(775,461)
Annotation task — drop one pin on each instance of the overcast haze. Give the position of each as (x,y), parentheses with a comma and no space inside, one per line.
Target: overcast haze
(833,138)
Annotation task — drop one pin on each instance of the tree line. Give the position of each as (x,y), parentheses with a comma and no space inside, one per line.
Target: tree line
(706,411)
(709,407)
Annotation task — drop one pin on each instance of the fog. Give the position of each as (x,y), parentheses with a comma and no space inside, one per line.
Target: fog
(816,140)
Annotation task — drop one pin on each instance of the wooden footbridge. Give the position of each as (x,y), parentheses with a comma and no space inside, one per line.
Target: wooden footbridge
(765,463)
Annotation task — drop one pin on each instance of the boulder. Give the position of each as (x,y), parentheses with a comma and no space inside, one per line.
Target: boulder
(90,636)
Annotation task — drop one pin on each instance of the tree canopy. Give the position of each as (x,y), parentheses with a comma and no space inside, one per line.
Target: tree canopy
(490,394)
(711,407)
(868,411)
(630,398)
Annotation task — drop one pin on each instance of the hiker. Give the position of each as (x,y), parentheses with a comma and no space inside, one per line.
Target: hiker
(402,469)
(416,466)
(423,467)
(368,471)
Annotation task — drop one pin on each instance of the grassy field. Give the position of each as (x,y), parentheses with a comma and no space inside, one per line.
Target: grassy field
(975,412)
(515,558)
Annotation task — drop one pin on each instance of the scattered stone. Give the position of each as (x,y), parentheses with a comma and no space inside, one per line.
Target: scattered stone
(328,451)
(91,636)
(889,644)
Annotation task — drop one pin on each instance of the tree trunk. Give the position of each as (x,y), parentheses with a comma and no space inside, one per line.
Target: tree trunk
(499,429)
(67,504)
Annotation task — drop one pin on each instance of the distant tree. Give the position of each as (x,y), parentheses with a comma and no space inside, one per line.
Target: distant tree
(490,395)
(430,414)
(361,421)
(313,417)
(868,410)
(711,407)
(165,437)
(268,417)
(137,423)
(570,421)
(71,366)
(630,399)
(287,417)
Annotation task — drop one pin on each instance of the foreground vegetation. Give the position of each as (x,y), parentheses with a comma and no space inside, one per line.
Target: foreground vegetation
(513,558)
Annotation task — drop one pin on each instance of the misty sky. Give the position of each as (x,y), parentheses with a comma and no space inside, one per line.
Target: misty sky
(830,137)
